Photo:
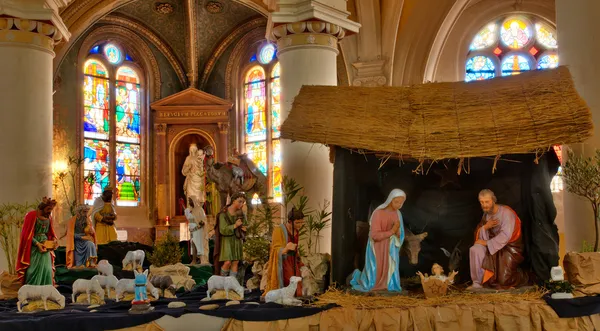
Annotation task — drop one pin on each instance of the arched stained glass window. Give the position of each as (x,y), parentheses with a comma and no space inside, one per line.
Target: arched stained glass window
(112,132)
(261,94)
(509,46)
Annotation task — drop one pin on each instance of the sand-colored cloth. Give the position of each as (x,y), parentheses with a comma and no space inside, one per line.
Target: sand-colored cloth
(504,316)
(583,271)
(152,326)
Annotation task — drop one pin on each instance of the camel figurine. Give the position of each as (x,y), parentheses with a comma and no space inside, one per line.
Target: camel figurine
(240,174)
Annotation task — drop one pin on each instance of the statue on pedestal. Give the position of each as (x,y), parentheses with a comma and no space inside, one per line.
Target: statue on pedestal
(382,260)
(193,170)
(104,217)
(35,256)
(81,240)
(196,224)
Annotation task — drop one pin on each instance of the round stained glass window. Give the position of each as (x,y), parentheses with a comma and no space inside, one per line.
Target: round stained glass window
(485,38)
(515,33)
(480,68)
(548,61)
(113,54)
(266,54)
(546,36)
(514,65)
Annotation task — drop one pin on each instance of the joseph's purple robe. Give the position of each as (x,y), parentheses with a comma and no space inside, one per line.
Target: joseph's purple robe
(496,265)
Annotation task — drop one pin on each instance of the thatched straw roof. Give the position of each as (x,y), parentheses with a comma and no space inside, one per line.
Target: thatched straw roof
(526,113)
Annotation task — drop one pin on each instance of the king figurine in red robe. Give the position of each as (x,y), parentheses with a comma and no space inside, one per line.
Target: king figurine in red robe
(35,256)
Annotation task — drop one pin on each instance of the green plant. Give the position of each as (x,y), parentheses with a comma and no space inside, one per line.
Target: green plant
(166,252)
(258,233)
(586,247)
(581,176)
(558,286)
(12,216)
(315,223)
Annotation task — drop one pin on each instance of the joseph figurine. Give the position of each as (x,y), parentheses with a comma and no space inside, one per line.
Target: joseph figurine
(228,250)
(498,250)
(104,217)
(35,256)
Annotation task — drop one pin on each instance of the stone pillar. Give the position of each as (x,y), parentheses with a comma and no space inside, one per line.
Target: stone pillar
(28,32)
(307,51)
(578,39)
(223,148)
(162,188)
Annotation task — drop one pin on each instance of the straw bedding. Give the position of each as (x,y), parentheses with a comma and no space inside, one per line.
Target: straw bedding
(348,300)
(525,113)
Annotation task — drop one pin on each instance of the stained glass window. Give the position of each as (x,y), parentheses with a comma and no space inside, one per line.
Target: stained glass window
(515,33)
(266,54)
(128,174)
(485,38)
(255,95)
(262,110)
(514,65)
(108,138)
(113,54)
(511,45)
(480,68)
(548,61)
(97,162)
(546,36)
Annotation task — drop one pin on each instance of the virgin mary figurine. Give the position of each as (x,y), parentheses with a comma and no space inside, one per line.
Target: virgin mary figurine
(382,259)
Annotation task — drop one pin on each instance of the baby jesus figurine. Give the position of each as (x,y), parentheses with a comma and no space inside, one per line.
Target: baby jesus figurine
(436,284)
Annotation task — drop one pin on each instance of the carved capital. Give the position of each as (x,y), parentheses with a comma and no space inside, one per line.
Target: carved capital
(223,127)
(307,34)
(34,33)
(160,128)
(369,74)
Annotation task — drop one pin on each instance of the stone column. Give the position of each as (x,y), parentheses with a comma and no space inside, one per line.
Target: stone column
(162,188)
(578,46)
(223,148)
(28,32)
(307,54)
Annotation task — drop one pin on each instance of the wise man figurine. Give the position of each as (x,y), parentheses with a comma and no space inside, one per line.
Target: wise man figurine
(104,216)
(35,255)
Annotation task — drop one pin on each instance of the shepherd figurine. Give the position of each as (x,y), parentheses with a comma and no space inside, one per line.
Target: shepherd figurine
(140,303)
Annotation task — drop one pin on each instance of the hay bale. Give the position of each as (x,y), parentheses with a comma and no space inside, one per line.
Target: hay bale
(518,114)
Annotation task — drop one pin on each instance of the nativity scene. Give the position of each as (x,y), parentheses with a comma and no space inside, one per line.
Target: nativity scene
(314,167)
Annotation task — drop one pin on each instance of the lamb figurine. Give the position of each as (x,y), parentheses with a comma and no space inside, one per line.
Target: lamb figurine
(128,285)
(225,283)
(285,296)
(107,282)
(134,258)
(43,292)
(87,286)
(104,268)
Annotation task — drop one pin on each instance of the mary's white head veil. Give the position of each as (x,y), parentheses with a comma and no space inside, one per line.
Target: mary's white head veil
(393,194)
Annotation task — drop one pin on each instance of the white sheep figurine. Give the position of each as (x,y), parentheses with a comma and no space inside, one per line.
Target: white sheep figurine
(104,268)
(107,282)
(285,296)
(134,258)
(87,286)
(126,285)
(225,283)
(43,292)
